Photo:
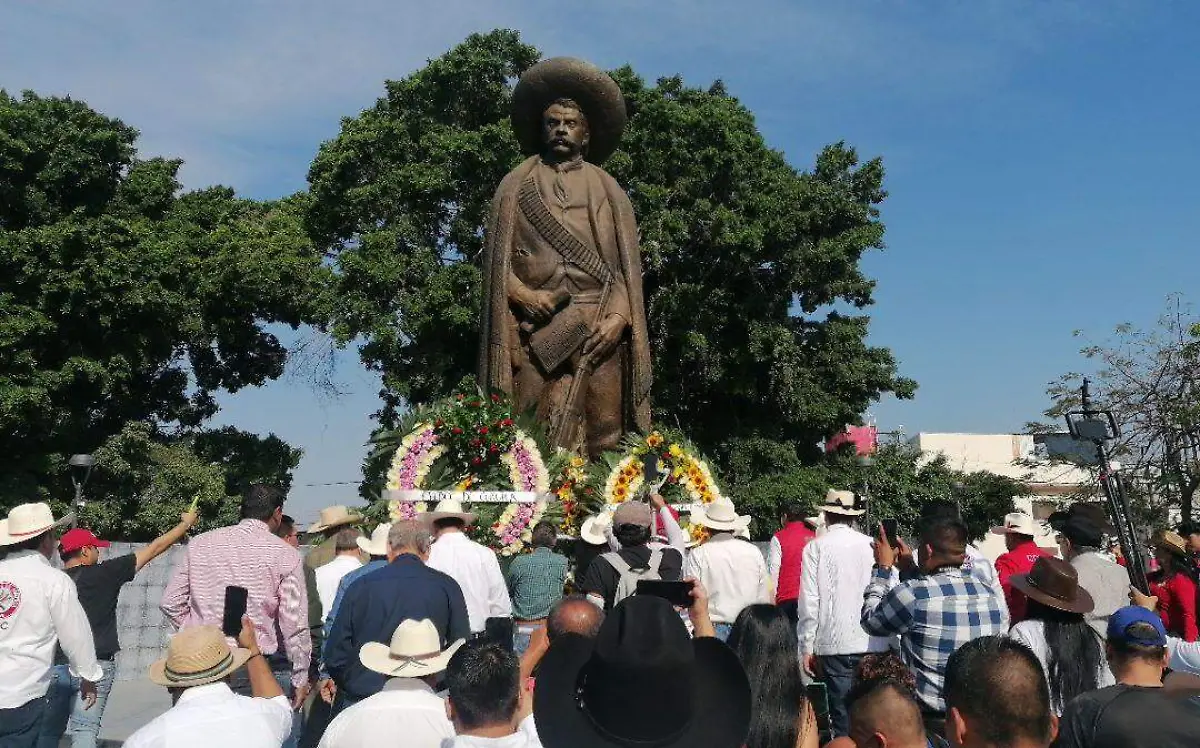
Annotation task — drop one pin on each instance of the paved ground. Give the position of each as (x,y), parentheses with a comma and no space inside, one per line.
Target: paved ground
(131,704)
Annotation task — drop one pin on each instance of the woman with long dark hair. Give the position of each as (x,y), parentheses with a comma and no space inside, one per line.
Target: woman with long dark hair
(765,641)
(1070,650)
(1176,587)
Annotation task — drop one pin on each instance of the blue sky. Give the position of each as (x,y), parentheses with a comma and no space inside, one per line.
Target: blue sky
(1040,155)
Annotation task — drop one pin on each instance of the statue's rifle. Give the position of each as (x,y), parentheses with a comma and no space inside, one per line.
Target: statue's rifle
(1099,427)
(568,429)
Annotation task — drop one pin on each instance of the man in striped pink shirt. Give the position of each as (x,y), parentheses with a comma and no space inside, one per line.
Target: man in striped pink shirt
(249,555)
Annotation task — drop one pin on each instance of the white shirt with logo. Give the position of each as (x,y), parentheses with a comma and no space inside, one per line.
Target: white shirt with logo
(39,610)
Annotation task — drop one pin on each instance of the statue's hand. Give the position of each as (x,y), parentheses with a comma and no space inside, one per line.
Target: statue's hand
(537,306)
(604,340)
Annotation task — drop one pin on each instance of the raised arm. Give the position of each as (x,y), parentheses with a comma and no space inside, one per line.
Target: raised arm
(163,543)
(675,537)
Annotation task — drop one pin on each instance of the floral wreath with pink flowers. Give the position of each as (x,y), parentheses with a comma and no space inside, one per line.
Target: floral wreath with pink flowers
(474,442)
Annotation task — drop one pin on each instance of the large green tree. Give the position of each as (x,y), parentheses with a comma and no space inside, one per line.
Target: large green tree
(744,255)
(124,301)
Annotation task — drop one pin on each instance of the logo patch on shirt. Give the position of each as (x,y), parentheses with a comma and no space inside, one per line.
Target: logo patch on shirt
(10,600)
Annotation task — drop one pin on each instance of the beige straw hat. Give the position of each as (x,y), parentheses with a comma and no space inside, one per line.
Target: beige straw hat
(446,509)
(335,516)
(841,502)
(415,651)
(593,530)
(197,656)
(377,545)
(720,515)
(27,521)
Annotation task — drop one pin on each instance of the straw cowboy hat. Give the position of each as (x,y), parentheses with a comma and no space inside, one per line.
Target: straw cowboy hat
(27,521)
(841,502)
(197,656)
(720,516)
(597,94)
(335,516)
(446,509)
(1173,542)
(1054,582)
(1016,523)
(377,545)
(415,651)
(593,531)
(583,699)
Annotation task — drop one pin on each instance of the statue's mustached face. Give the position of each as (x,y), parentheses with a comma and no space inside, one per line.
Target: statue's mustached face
(564,131)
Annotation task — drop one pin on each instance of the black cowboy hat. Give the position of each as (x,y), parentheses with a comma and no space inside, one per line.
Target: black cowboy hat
(568,78)
(641,682)
(1092,511)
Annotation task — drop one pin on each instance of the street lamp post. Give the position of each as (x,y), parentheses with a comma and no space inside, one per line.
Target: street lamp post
(81,470)
(865,462)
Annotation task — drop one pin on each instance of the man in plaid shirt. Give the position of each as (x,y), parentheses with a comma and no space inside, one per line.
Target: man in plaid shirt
(934,614)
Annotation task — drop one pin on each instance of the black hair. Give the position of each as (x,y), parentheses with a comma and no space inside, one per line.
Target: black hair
(558,622)
(998,683)
(570,103)
(795,511)
(444,522)
(1124,650)
(764,639)
(939,509)
(286,525)
(1189,528)
(1076,653)
(631,536)
(261,502)
(67,558)
(947,537)
(483,680)
(886,705)
(544,535)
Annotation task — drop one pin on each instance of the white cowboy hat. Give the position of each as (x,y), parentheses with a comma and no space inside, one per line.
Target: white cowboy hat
(27,521)
(335,516)
(445,509)
(720,516)
(593,530)
(815,522)
(841,502)
(415,651)
(1017,523)
(377,545)
(197,656)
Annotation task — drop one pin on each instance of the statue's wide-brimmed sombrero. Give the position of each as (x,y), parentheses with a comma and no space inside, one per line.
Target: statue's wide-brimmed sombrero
(569,78)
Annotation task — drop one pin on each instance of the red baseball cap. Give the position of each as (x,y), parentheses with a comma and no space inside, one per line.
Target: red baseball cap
(74,540)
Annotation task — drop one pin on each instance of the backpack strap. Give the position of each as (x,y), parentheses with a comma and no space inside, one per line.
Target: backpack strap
(655,560)
(614,559)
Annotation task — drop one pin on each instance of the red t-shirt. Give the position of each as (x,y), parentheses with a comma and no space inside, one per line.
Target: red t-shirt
(1177,606)
(1019,560)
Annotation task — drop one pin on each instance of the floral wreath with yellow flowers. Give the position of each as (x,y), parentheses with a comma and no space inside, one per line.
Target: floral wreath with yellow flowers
(620,476)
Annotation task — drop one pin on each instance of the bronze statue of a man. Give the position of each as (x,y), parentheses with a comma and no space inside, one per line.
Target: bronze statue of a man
(564,324)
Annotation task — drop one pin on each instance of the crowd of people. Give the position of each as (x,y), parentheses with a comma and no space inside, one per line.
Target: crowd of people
(415,635)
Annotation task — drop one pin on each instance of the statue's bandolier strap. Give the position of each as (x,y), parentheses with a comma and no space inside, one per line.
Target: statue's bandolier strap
(567,244)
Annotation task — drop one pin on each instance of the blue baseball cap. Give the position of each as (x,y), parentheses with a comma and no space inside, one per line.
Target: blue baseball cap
(1119,623)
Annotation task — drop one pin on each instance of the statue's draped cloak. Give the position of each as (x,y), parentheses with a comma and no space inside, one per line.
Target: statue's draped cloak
(498,328)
